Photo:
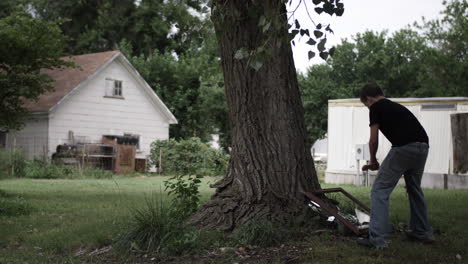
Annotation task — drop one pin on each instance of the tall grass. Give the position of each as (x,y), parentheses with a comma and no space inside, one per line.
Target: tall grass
(158,229)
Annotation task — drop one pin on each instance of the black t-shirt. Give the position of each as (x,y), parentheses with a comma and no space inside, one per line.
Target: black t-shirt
(397,123)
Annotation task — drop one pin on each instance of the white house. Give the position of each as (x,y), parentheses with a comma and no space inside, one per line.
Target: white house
(348,126)
(104,96)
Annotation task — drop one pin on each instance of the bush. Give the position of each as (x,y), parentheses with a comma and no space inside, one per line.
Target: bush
(190,156)
(12,163)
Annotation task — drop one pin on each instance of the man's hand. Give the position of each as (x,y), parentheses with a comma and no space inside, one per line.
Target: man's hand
(373,166)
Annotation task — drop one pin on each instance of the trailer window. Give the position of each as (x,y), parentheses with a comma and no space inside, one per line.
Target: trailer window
(438,107)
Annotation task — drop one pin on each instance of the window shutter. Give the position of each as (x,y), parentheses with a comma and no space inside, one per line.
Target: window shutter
(109,87)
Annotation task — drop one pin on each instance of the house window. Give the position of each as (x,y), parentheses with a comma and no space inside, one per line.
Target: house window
(114,88)
(136,139)
(117,88)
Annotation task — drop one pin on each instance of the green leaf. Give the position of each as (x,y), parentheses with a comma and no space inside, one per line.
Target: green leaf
(316,2)
(261,21)
(311,54)
(266,27)
(329,29)
(318,10)
(256,65)
(241,53)
(323,55)
(296,22)
(319,26)
(311,41)
(339,11)
(321,45)
(332,51)
(293,34)
(318,33)
(328,8)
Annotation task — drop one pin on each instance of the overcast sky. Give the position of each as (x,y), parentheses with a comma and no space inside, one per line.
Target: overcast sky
(361,15)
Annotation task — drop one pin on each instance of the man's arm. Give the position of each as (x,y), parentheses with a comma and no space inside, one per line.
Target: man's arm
(373,146)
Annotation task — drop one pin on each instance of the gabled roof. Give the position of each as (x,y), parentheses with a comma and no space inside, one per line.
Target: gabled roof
(89,65)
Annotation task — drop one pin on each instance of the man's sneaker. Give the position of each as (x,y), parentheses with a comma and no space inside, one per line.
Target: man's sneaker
(411,236)
(366,243)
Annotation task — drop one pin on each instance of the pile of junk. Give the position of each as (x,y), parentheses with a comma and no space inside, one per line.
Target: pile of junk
(356,222)
(114,153)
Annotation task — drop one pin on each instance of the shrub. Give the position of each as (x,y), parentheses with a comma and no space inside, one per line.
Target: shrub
(186,197)
(42,169)
(190,156)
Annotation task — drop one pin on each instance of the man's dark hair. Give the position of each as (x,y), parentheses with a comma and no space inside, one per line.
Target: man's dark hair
(372,90)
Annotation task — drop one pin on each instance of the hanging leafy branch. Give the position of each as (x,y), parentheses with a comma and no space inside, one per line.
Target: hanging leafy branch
(331,7)
(270,26)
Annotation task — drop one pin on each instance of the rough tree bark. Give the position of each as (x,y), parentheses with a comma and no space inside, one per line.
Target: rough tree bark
(270,161)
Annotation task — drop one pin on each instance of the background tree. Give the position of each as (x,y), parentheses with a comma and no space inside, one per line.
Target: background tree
(428,60)
(190,84)
(149,25)
(447,67)
(28,45)
(317,87)
(171,43)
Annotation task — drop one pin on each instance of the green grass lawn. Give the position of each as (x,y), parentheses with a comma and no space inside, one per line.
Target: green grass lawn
(67,216)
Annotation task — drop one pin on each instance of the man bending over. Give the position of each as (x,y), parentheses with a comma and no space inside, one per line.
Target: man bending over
(407,157)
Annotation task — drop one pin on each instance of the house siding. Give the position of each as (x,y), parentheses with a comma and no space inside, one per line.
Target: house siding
(32,139)
(90,114)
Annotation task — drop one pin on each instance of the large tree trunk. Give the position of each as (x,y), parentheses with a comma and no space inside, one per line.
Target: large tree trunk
(270,161)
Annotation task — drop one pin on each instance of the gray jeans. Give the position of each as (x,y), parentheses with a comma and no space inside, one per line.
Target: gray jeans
(408,160)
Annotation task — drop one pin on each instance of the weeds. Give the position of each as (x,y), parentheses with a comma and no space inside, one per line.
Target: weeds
(13,205)
(12,164)
(154,228)
(159,227)
(93,173)
(261,233)
(185,193)
(41,169)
